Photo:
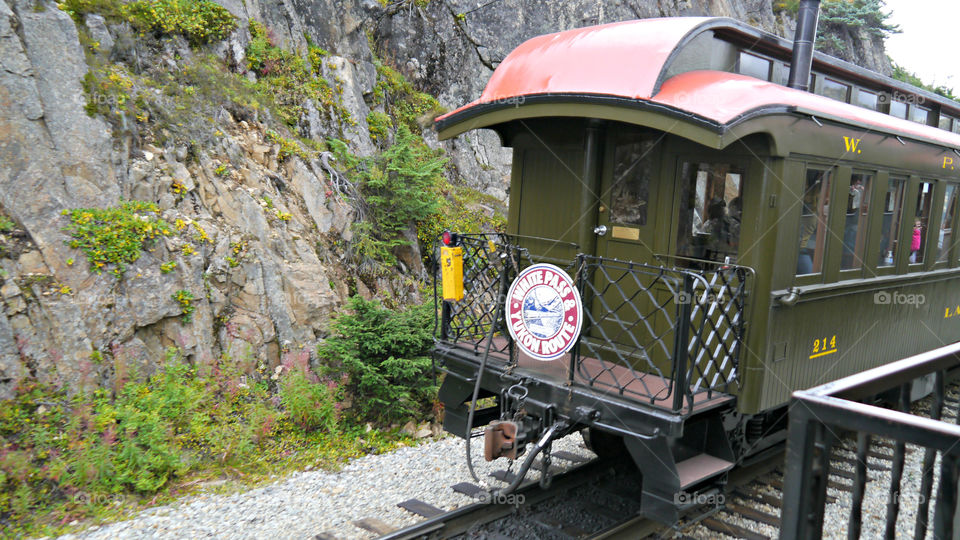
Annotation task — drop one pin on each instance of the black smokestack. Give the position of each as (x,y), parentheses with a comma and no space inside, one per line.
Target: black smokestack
(807,16)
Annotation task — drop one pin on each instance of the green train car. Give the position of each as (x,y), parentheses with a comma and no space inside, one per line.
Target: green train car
(731,240)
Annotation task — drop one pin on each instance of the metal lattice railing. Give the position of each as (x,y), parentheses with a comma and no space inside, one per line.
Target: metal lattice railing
(845,418)
(629,320)
(652,333)
(717,315)
(487,258)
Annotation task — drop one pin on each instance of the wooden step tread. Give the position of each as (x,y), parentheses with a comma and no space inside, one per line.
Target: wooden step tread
(701,467)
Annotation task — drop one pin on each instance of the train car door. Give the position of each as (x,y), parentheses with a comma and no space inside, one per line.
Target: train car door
(635,204)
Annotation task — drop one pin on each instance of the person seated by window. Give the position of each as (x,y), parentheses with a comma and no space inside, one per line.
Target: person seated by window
(720,229)
(736,210)
(856,197)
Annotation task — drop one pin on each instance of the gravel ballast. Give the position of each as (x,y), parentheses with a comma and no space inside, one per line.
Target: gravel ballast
(306,504)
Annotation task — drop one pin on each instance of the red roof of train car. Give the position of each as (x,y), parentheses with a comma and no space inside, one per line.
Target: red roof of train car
(626,60)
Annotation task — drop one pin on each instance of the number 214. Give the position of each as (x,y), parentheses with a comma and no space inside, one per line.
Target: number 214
(821,344)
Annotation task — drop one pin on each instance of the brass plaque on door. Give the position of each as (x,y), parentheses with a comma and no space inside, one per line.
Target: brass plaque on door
(626,233)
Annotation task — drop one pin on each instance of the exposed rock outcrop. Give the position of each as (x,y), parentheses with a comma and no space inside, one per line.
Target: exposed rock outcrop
(265,263)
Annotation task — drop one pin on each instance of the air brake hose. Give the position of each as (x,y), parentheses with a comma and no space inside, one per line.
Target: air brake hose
(483,366)
(555,430)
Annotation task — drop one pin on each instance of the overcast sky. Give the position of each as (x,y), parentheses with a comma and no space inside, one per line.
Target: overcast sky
(929,44)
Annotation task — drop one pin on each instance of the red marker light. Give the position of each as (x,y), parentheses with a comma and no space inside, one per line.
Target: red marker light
(447,238)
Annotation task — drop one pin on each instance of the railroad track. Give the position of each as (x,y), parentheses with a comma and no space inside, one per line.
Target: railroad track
(600,500)
(533,508)
(595,499)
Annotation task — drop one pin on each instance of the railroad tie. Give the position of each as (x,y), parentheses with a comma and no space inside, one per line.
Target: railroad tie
(554,524)
(842,473)
(568,456)
(853,461)
(504,476)
(889,445)
(759,496)
(420,508)
(730,529)
(468,489)
(840,487)
(879,455)
(778,484)
(753,514)
(375,525)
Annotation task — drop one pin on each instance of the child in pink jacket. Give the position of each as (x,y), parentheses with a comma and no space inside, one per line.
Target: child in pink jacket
(915,242)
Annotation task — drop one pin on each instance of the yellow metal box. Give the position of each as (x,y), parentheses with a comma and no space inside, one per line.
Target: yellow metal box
(451,264)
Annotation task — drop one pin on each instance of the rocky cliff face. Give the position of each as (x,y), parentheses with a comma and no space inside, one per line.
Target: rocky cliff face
(266,262)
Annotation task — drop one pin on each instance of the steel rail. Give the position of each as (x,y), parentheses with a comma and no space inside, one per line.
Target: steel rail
(460,520)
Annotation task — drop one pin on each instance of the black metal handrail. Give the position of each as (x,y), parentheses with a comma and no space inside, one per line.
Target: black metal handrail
(653,333)
(817,418)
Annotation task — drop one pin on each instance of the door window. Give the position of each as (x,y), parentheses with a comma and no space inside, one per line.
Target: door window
(632,169)
(813,222)
(920,224)
(944,241)
(890,228)
(855,229)
(710,211)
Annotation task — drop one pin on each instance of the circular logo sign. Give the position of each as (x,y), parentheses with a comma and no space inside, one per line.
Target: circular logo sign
(544,312)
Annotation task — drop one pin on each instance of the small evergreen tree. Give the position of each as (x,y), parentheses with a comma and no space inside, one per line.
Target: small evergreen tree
(839,16)
(383,353)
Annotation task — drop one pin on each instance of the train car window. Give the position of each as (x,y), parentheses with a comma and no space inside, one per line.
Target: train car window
(921,218)
(813,222)
(956,125)
(867,99)
(890,225)
(710,211)
(855,229)
(945,239)
(754,66)
(946,123)
(835,90)
(919,114)
(898,109)
(633,166)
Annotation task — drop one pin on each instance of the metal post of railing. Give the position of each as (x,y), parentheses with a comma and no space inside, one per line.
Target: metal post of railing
(445,315)
(804,484)
(929,458)
(580,270)
(896,472)
(945,509)
(681,342)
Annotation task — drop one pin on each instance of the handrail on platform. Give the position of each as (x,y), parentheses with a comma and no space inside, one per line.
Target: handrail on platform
(818,418)
(659,334)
